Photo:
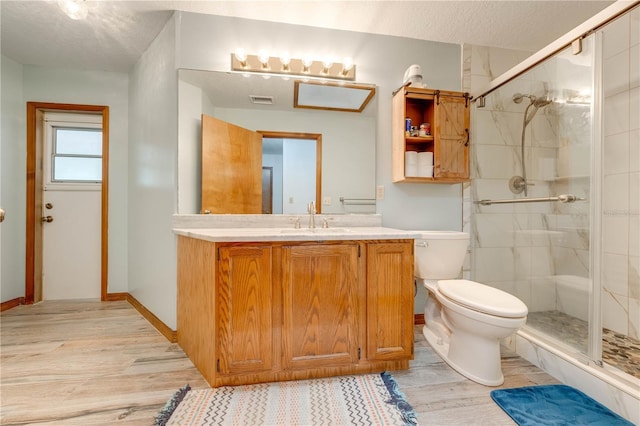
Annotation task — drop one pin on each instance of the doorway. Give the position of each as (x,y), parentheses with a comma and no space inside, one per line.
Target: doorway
(35,185)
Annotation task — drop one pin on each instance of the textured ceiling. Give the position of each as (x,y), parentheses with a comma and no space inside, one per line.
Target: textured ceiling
(116,32)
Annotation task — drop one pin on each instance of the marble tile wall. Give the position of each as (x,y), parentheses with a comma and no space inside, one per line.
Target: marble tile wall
(621,167)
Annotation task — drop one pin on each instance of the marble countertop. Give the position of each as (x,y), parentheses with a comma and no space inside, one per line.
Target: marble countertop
(292,234)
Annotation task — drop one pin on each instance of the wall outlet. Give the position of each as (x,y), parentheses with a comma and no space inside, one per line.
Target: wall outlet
(326,201)
(380,192)
(290,200)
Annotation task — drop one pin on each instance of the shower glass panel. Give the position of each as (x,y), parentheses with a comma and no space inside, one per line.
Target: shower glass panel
(532,145)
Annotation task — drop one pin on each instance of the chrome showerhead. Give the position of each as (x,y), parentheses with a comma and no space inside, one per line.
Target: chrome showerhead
(518,97)
(536,101)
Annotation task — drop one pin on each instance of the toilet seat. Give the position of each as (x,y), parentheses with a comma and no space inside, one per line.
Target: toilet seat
(482,298)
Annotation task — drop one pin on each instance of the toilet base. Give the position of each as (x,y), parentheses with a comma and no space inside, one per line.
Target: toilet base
(441,347)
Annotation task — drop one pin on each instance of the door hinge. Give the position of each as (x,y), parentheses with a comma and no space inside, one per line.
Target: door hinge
(218,365)
(358,251)
(218,255)
(359,353)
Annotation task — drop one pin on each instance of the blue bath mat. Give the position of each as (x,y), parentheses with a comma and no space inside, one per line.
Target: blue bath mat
(554,405)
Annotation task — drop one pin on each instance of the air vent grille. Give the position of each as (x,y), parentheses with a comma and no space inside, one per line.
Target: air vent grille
(263,100)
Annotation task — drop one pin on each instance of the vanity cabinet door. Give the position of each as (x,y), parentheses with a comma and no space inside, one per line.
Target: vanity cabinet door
(319,284)
(244,310)
(390,294)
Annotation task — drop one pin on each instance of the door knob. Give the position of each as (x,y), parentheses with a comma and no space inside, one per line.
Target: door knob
(47,219)
(1,215)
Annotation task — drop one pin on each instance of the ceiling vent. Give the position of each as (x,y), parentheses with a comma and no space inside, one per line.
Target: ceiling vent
(262,100)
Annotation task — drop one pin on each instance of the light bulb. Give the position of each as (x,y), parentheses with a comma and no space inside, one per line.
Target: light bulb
(241,56)
(286,60)
(347,64)
(263,57)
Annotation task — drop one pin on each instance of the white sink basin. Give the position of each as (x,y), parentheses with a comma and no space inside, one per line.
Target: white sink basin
(315,231)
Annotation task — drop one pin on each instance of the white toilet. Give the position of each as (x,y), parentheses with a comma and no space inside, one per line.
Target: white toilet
(465,320)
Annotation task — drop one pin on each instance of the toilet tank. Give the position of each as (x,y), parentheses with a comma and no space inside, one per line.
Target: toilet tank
(439,255)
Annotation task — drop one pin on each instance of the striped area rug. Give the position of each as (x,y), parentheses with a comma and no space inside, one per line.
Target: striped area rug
(370,399)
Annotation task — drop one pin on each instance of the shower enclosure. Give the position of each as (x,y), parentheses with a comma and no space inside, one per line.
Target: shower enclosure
(554,202)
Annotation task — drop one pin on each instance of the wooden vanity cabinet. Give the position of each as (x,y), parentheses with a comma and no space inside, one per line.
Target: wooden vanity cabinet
(448,114)
(273,311)
(389,322)
(320,286)
(244,310)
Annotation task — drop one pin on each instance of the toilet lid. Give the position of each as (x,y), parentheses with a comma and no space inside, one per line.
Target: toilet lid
(482,298)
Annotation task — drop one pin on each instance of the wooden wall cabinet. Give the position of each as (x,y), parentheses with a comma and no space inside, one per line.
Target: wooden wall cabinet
(260,312)
(448,114)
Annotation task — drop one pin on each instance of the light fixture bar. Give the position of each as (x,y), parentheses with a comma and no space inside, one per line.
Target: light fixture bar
(295,67)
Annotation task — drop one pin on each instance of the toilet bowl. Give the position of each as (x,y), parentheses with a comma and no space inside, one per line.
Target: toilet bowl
(464,320)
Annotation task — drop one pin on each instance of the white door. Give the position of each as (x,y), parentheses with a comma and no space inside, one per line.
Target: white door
(71,206)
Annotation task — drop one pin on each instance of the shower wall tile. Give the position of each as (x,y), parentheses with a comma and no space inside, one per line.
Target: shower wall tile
(493,62)
(497,162)
(616,114)
(634,108)
(615,230)
(616,193)
(634,318)
(634,151)
(634,277)
(494,230)
(617,70)
(616,36)
(634,233)
(494,264)
(634,17)
(615,270)
(617,154)
(543,295)
(615,312)
(571,262)
(634,65)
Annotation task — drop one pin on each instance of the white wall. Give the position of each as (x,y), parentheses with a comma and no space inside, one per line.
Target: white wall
(205,42)
(13,159)
(96,88)
(189,128)
(299,158)
(153,180)
(38,84)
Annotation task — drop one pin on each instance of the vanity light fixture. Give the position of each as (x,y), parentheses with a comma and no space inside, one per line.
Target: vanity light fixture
(285,66)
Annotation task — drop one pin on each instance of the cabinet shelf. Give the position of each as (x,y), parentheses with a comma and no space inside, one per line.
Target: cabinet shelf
(448,114)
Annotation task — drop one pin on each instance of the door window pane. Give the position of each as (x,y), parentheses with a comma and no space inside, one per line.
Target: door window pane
(77,155)
(77,169)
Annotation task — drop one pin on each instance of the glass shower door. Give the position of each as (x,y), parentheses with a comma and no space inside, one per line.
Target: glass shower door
(532,187)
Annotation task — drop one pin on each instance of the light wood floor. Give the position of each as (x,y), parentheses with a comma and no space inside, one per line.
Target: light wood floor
(101,363)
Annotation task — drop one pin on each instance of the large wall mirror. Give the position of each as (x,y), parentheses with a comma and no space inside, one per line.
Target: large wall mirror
(267,105)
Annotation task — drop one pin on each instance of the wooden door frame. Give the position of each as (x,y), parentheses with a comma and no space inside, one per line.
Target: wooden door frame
(35,150)
(312,136)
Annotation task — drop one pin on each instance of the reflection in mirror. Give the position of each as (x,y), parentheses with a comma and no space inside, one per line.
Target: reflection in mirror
(292,169)
(348,140)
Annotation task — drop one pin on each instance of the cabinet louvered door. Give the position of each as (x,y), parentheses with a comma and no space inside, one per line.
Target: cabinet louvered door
(390,293)
(452,137)
(244,310)
(319,293)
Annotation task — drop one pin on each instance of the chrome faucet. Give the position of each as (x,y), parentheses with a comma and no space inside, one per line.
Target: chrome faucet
(311,209)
